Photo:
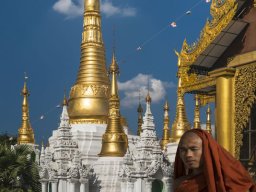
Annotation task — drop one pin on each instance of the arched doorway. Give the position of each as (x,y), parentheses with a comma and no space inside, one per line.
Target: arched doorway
(157,186)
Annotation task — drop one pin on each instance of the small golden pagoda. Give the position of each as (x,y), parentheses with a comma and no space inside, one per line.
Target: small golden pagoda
(88,102)
(26,133)
(166,129)
(114,140)
(197,123)
(208,120)
(220,67)
(180,124)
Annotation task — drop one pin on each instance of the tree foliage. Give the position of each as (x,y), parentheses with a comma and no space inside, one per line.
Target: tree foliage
(18,168)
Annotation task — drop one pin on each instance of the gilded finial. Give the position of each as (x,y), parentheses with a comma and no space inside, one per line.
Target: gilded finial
(140,117)
(197,123)
(114,140)
(92,5)
(26,133)
(208,120)
(88,100)
(65,101)
(166,129)
(148,98)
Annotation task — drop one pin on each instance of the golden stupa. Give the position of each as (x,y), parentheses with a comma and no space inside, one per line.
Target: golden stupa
(166,129)
(180,124)
(114,140)
(88,102)
(25,133)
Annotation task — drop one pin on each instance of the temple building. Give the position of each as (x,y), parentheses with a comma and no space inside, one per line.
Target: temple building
(92,149)
(220,70)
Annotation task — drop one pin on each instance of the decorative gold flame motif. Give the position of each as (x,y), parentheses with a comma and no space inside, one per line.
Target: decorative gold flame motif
(26,133)
(114,141)
(88,101)
(166,129)
(197,123)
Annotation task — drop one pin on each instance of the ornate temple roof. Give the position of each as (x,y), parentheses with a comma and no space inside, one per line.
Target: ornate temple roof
(217,35)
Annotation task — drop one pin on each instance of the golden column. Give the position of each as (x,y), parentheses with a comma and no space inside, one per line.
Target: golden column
(140,119)
(26,133)
(180,124)
(166,129)
(208,120)
(197,123)
(88,101)
(224,123)
(114,140)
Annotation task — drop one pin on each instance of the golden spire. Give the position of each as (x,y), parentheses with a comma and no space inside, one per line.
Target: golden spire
(197,123)
(180,124)
(89,96)
(166,129)
(114,141)
(26,133)
(140,117)
(65,101)
(208,120)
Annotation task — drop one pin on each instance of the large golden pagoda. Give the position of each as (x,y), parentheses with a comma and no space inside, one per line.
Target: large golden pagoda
(220,67)
(88,102)
(114,140)
(26,133)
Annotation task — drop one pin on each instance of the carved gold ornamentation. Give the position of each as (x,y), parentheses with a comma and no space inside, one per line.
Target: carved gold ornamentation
(221,14)
(245,88)
(206,99)
(201,83)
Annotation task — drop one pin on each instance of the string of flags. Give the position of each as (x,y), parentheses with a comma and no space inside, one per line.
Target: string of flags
(172,24)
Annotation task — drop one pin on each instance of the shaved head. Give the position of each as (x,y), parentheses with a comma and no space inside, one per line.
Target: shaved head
(191,149)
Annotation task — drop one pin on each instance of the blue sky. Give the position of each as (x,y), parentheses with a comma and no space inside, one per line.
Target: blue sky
(42,38)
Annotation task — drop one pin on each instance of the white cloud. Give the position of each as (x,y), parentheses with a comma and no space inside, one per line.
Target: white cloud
(73,8)
(131,89)
(70,8)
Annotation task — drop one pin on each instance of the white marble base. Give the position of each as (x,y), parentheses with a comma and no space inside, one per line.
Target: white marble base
(107,170)
(171,151)
(89,139)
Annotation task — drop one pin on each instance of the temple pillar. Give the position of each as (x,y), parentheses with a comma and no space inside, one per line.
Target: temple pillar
(62,185)
(148,185)
(123,185)
(84,186)
(225,114)
(138,185)
(72,184)
(130,185)
(44,186)
(167,184)
(54,186)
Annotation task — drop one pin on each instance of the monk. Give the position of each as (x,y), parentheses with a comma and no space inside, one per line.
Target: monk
(202,165)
